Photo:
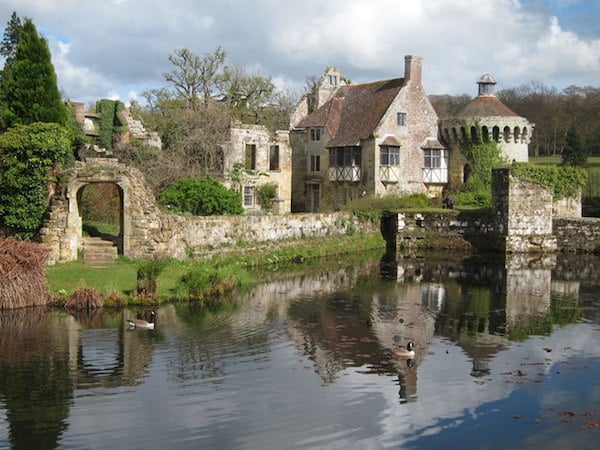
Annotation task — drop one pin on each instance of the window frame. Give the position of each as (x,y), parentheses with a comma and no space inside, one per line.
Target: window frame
(274,157)
(315,163)
(315,134)
(431,157)
(401,119)
(391,153)
(250,156)
(248,199)
(345,156)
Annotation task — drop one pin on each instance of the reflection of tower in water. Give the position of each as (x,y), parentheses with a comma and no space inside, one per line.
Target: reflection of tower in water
(407,381)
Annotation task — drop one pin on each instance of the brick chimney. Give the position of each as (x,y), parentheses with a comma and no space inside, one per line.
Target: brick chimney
(413,67)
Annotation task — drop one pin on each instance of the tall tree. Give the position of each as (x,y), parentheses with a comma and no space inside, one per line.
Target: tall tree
(195,78)
(8,47)
(32,93)
(574,152)
(247,95)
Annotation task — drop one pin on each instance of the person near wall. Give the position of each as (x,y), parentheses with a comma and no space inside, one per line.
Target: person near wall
(448,202)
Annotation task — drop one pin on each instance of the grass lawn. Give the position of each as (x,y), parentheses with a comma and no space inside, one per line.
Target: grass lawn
(120,277)
(593,162)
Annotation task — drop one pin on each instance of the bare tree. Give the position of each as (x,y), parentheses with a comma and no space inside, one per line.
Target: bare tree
(195,78)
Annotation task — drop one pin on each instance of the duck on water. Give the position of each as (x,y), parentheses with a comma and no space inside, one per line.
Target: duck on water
(142,324)
(402,352)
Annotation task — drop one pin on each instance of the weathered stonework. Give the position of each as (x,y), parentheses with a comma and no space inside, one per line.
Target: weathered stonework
(267,159)
(148,233)
(524,211)
(524,220)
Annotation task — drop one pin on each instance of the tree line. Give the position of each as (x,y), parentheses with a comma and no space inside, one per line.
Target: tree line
(556,114)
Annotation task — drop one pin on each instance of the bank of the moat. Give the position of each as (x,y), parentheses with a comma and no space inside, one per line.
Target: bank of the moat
(524,219)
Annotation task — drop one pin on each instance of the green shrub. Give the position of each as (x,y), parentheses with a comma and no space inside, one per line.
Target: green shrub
(201,198)
(415,201)
(29,154)
(208,282)
(266,193)
(147,276)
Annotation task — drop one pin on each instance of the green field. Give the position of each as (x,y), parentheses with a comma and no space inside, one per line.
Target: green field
(593,161)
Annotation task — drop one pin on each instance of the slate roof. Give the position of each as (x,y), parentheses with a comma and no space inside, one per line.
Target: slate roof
(354,111)
(485,106)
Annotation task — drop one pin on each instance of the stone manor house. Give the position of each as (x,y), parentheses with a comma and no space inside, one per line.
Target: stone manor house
(346,140)
(350,140)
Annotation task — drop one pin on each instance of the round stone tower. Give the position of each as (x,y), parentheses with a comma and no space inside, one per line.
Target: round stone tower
(483,119)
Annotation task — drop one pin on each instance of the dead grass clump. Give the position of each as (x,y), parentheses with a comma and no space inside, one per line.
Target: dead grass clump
(22,274)
(84,299)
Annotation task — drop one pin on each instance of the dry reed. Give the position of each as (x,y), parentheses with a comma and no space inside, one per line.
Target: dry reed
(84,299)
(22,274)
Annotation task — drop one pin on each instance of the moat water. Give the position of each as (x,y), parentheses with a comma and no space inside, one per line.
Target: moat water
(507,357)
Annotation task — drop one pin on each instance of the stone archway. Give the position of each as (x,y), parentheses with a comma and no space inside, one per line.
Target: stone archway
(62,232)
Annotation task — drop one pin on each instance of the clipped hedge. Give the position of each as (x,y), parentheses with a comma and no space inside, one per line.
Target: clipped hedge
(562,181)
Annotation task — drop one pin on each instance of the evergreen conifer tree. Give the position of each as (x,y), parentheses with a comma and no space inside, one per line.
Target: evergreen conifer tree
(574,152)
(31,90)
(8,48)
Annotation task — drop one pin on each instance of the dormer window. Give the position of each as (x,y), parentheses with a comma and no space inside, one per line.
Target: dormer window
(315,134)
(401,119)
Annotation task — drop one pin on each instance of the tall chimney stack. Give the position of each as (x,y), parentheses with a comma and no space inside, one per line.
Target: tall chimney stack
(413,68)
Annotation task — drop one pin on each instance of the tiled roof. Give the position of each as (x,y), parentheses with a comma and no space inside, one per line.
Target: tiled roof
(354,111)
(391,141)
(485,106)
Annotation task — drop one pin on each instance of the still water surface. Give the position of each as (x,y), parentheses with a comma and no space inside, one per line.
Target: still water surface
(508,357)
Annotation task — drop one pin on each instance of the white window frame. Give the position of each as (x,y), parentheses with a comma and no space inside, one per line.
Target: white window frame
(248,199)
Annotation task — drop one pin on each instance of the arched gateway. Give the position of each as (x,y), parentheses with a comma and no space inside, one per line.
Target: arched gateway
(139,215)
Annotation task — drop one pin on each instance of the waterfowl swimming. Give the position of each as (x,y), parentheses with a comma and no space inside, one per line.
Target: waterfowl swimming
(142,324)
(407,352)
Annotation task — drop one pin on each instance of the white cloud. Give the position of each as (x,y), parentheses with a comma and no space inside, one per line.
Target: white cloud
(123,45)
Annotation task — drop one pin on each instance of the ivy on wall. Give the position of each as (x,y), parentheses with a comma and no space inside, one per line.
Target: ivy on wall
(562,181)
(111,121)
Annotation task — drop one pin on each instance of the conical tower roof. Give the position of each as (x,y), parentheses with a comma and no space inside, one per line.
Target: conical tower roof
(486,104)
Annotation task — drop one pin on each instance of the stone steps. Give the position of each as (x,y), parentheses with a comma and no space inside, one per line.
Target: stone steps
(98,252)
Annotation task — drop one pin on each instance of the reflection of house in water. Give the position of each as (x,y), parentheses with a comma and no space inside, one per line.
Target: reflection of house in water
(403,312)
(318,318)
(455,300)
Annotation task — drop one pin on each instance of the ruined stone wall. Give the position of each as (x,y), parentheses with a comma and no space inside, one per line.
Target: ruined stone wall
(524,219)
(185,236)
(147,233)
(258,136)
(524,211)
(577,234)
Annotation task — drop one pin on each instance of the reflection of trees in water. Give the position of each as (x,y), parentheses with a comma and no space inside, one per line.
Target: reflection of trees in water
(37,395)
(46,355)
(34,379)
(564,310)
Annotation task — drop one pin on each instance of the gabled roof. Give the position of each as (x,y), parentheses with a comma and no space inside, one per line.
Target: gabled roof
(354,111)
(485,106)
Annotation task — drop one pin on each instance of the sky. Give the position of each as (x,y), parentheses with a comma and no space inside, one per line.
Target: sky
(119,48)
